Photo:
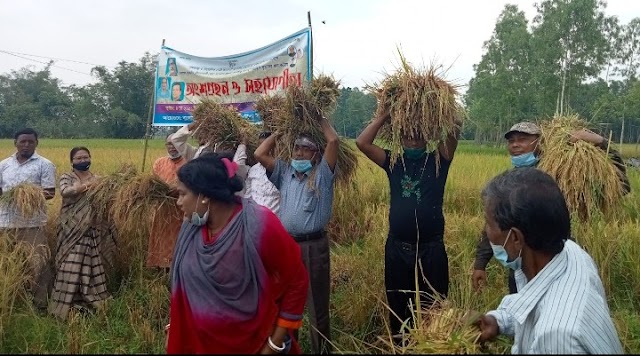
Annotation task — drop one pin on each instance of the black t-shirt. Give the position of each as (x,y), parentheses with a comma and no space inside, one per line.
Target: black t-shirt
(416,194)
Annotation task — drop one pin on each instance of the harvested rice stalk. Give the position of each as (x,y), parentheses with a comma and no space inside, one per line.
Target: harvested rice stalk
(446,329)
(325,90)
(137,203)
(26,198)
(299,111)
(586,176)
(221,125)
(421,105)
(102,195)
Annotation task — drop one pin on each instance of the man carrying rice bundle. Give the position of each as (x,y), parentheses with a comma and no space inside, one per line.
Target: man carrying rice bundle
(188,152)
(523,143)
(26,166)
(416,220)
(306,197)
(560,307)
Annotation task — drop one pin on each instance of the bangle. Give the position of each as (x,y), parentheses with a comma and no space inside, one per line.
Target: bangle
(273,346)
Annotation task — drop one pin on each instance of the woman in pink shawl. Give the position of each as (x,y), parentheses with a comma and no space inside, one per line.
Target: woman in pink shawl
(238,281)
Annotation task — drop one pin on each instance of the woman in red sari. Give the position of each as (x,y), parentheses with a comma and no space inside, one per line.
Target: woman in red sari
(238,281)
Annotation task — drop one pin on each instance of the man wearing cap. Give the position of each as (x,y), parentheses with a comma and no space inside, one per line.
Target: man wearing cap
(523,144)
(306,199)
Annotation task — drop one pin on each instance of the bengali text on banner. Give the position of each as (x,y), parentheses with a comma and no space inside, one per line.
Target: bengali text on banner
(183,80)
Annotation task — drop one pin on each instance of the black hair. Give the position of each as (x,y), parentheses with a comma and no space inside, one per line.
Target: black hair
(176,83)
(264,134)
(76,149)
(207,175)
(530,200)
(26,131)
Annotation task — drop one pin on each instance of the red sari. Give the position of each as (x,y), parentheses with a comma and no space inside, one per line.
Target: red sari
(229,294)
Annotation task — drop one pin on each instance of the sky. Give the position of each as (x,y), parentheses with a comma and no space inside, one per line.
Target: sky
(353,40)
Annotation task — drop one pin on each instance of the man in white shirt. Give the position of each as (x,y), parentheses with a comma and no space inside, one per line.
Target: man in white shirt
(259,187)
(560,307)
(26,166)
(190,152)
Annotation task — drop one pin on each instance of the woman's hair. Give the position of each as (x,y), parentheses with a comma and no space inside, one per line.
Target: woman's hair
(207,175)
(76,150)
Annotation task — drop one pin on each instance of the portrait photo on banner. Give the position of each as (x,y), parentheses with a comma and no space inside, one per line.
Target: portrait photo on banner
(177,91)
(172,67)
(163,88)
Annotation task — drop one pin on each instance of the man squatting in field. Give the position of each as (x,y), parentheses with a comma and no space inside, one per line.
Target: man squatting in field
(561,306)
(26,166)
(306,199)
(416,220)
(523,144)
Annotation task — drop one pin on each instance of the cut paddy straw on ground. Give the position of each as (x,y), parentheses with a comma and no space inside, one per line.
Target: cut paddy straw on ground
(26,198)
(587,177)
(299,111)
(421,105)
(446,329)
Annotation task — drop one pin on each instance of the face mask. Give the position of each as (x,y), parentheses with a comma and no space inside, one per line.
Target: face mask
(415,153)
(301,165)
(198,220)
(82,166)
(524,160)
(501,255)
(175,156)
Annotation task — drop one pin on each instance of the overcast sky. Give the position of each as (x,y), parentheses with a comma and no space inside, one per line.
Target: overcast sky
(356,43)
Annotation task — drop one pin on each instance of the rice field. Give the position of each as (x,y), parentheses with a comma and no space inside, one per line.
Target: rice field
(133,321)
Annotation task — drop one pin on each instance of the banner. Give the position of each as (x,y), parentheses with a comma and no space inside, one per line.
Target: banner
(182,80)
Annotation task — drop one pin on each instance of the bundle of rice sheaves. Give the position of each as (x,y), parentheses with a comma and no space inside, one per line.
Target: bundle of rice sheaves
(421,105)
(102,195)
(222,125)
(587,177)
(299,111)
(445,329)
(137,203)
(26,198)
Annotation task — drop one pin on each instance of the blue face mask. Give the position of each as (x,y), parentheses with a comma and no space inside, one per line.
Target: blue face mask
(524,160)
(301,165)
(501,255)
(198,220)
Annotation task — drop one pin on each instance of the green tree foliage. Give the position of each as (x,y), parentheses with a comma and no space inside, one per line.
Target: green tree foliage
(499,93)
(573,57)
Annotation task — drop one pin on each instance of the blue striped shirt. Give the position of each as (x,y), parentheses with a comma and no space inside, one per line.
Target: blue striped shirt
(304,210)
(562,310)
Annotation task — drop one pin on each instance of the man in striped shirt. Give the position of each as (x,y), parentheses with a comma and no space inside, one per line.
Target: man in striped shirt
(560,307)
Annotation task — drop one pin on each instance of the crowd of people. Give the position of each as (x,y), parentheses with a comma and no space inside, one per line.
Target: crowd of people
(250,251)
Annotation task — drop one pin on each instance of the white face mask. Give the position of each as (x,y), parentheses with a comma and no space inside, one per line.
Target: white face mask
(196,219)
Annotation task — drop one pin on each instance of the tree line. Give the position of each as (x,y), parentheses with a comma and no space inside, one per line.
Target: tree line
(572,57)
